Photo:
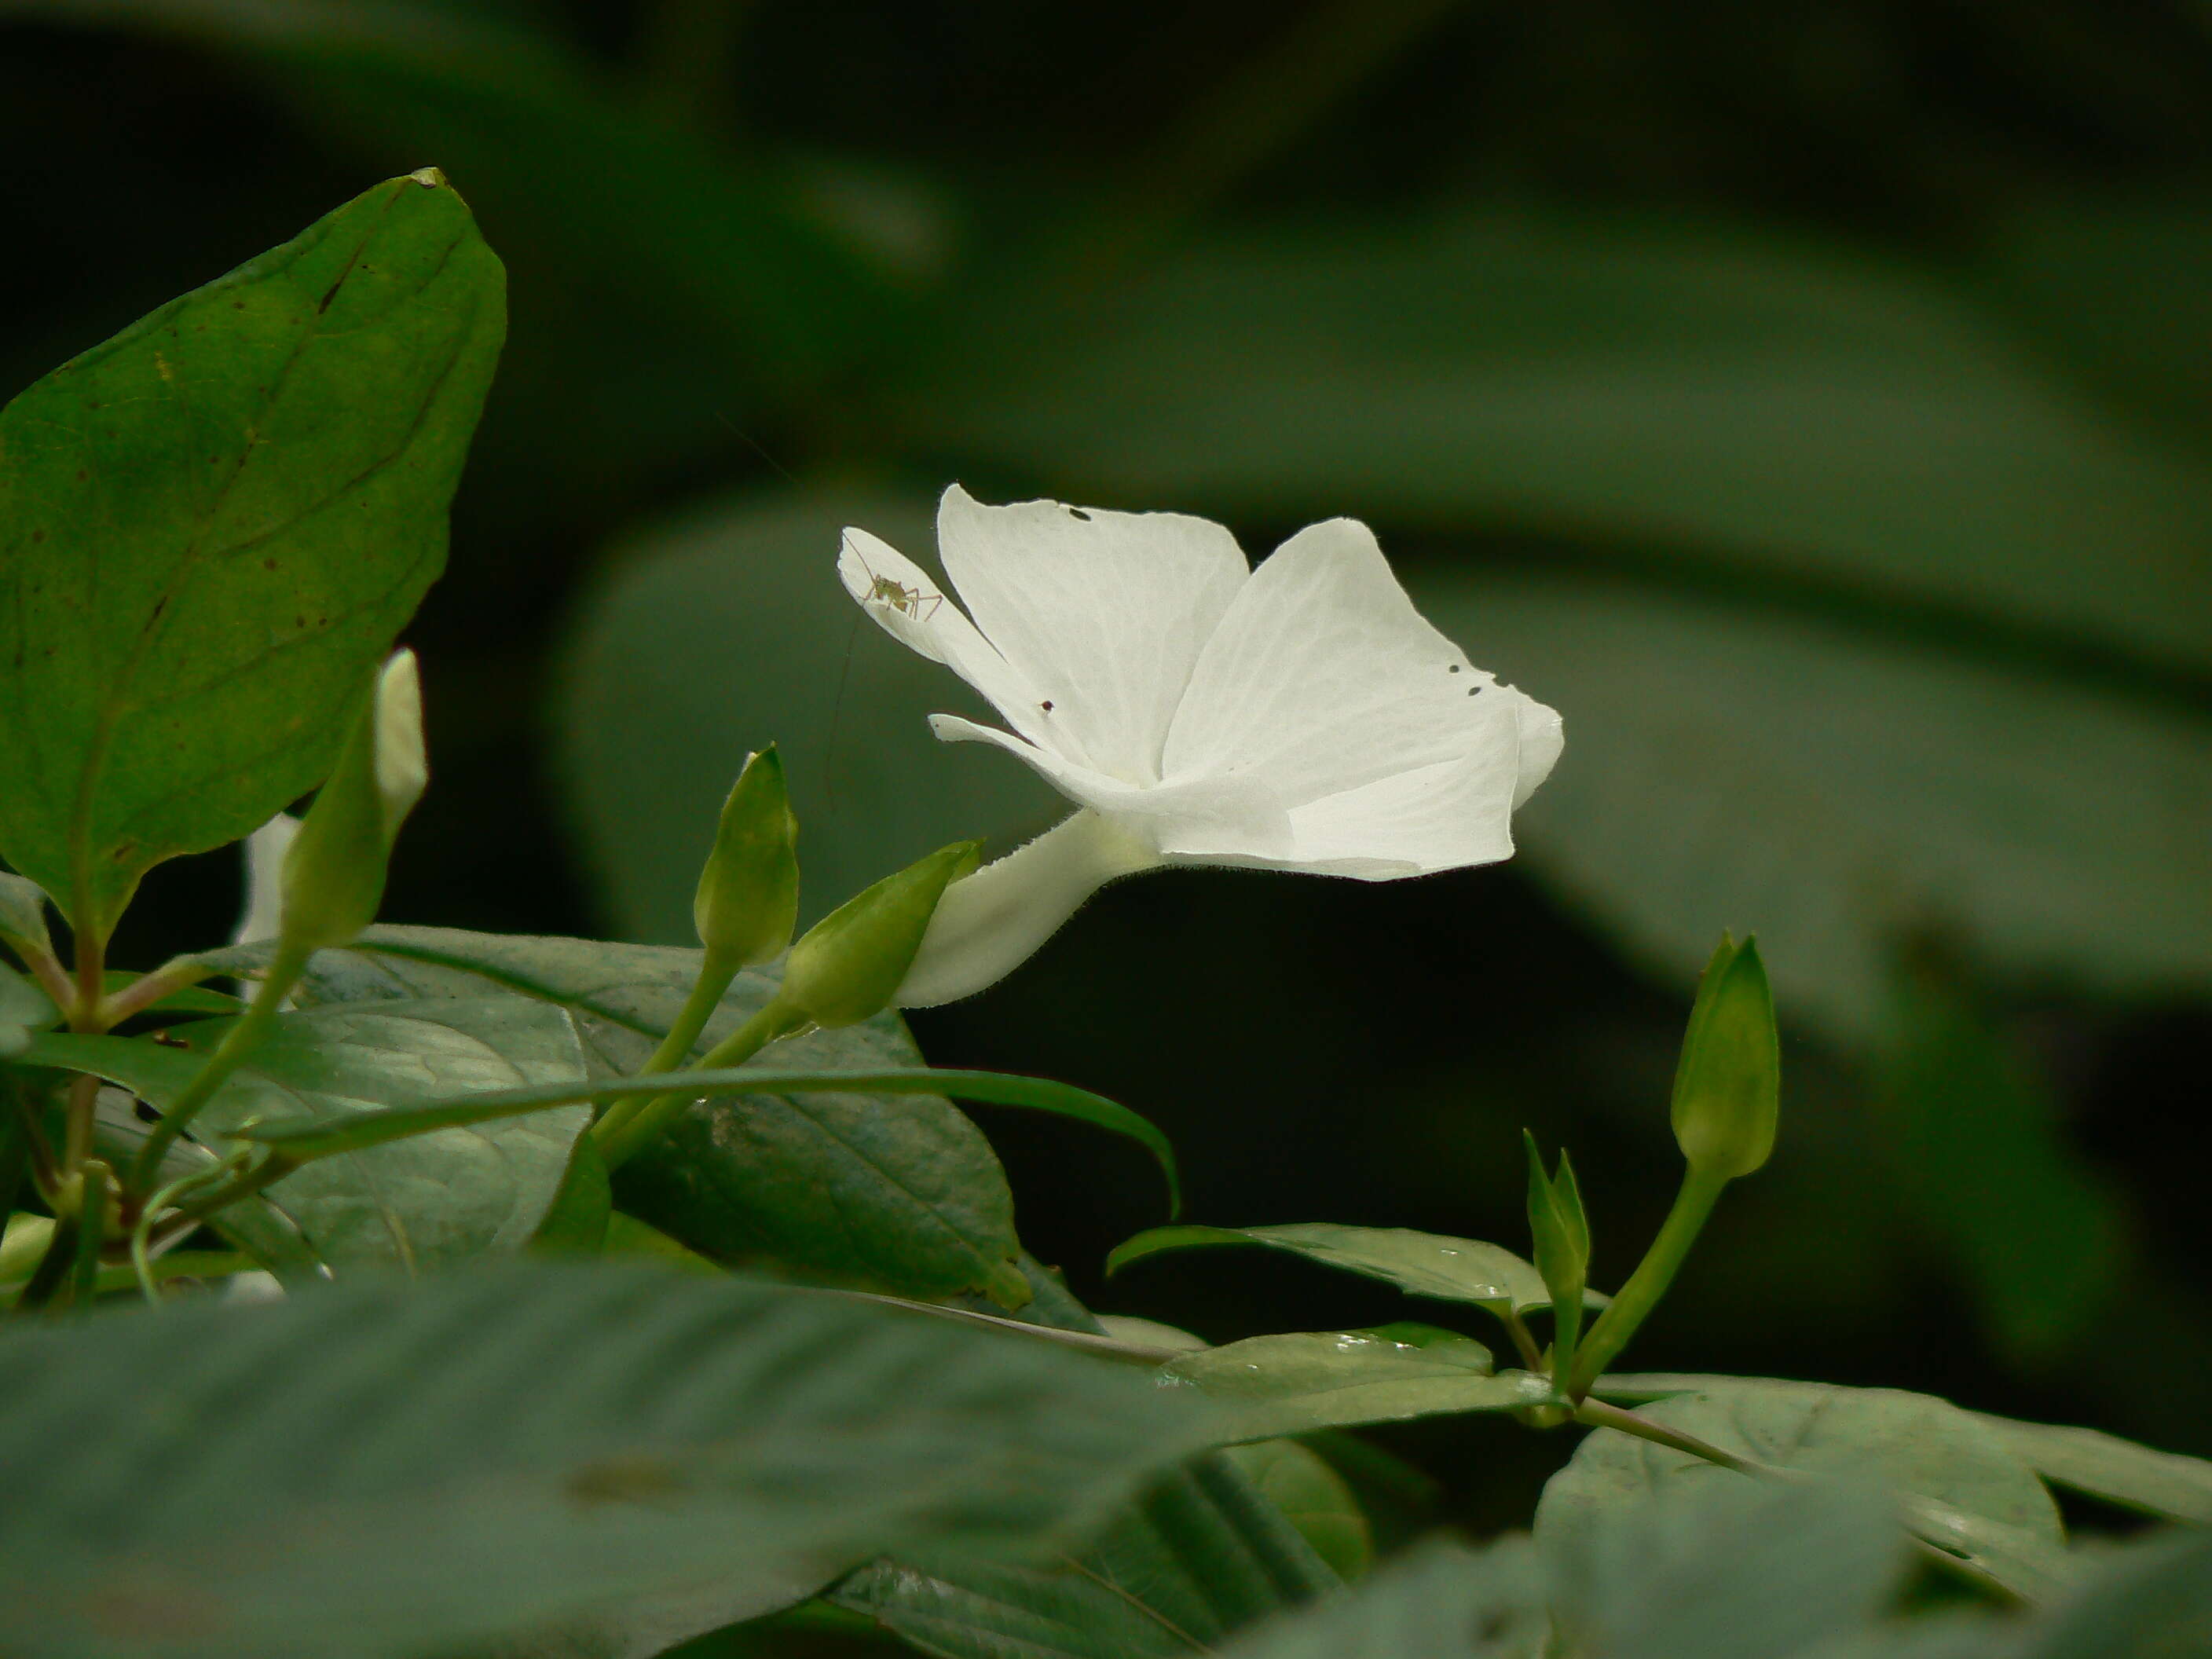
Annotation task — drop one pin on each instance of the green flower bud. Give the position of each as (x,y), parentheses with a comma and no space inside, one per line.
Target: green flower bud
(748,898)
(334,871)
(849,965)
(1728,1087)
(23,916)
(1558,1227)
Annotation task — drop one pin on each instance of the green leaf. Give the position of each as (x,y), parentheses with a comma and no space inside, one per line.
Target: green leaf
(1956,1483)
(1739,1571)
(658,710)
(1313,1497)
(899,1193)
(418,1203)
(2106,1466)
(1197,1556)
(1421,1264)
(2155,1601)
(1441,1602)
(212,526)
(1842,424)
(1837,790)
(1297,1382)
(379,1468)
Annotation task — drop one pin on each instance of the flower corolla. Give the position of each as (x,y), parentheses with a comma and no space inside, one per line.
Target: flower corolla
(1300,715)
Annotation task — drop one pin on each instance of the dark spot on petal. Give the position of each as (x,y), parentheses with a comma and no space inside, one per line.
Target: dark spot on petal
(1473,690)
(1077,512)
(1046,705)
(1452,669)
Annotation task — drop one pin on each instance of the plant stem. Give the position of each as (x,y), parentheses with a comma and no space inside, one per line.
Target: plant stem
(1525,1340)
(83,1102)
(1596,1414)
(1649,1283)
(83,1005)
(715,972)
(284,971)
(147,989)
(46,967)
(621,1134)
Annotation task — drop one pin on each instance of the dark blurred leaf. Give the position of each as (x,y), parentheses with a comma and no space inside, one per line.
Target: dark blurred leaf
(537,136)
(382,1469)
(1954,1481)
(1735,1571)
(1836,793)
(2152,1602)
(1197,1556)
(1301,1381)
(1978,1148)
(2105,1465)
(1444,1601)
(216,522)
(898,1193)
(728,630)
(416,1204)
(1818,416)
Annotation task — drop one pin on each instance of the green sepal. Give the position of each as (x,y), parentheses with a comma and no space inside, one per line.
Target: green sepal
(848,967)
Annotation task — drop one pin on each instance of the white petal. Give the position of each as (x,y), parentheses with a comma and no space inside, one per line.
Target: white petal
(1541,740)
(1105,613)
(907,604)
(1194,821)
(1323,680)
(263,914)
(989,924)
(1444,817)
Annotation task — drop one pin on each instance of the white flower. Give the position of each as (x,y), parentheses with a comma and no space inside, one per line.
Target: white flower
(1297,716)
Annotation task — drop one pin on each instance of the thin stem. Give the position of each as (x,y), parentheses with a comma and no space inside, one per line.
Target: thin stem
(620,1134)
(715,972)
(1566,1333)
(83,1103)
(284,971)
(270,1171)
(1649,1283)
(94,1179)
(147,989)
(83,1007)
(46,967)
(1525,1340)
(1597,1415)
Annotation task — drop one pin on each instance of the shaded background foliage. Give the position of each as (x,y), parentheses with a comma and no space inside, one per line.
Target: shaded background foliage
(1814,401)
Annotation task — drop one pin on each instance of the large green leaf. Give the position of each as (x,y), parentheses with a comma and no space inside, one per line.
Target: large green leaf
(1442,1601)
(1956,1483)
(2105,1465)
(896,1192)
(212,525)
(1731,1572)
(1195,1558)
(423,1202)
(1817,414)
(378,1468)
(1835,791)
(2152,1602)
(1297,1381)
(1420,1264)
(727,629)
(1314,1498)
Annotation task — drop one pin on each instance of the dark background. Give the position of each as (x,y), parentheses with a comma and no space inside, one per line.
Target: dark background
(1811,399)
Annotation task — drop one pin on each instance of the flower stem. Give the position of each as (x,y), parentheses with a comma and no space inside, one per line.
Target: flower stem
(147,989)
(621,1134)
(1649,1283)
(715,972)
(253,1027)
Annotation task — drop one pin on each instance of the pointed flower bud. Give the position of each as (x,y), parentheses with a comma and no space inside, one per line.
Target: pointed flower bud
(849,965)
(1558,1227)
(1728,1085)
(748,898)
(333,878)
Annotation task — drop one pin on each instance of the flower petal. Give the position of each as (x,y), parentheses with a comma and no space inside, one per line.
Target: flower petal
(1191,820)
(907,604)
(1104,613)
(1322,680)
